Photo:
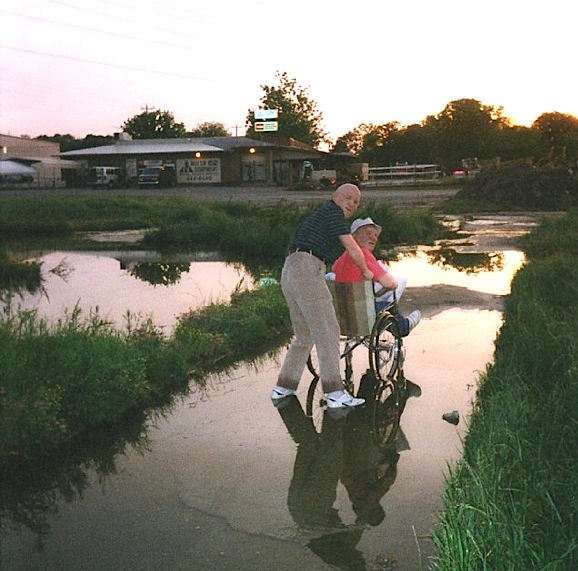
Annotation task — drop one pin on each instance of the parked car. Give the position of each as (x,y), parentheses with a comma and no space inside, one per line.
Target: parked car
(165,176)
(106,177)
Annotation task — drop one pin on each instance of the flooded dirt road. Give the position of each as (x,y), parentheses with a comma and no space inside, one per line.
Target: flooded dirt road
(225,480)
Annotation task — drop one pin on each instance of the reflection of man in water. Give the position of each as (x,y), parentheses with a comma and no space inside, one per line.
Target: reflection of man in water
(344,450)
(312,491)
(368,472)
(313,487)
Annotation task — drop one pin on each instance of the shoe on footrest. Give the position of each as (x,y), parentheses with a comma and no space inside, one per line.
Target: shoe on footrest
(281,392)
(338,399)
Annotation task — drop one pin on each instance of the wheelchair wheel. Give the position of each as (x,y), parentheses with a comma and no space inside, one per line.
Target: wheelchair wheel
(386,348)
(385,415)
(316,403)
(346,363)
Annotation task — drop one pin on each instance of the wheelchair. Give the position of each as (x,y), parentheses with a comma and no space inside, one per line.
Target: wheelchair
(383,383)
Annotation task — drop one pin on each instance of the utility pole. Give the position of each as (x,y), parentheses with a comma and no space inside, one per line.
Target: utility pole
(147,109)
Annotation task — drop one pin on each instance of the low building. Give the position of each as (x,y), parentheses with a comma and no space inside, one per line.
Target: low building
(42,165)
(206,160)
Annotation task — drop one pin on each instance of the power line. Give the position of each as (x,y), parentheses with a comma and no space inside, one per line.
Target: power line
(142,8)
(106,33)
(182,9)
(110,64)
(132,22)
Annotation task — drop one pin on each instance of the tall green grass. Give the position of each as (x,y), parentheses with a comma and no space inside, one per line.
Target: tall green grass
(241,228)
(511,502)
(60,381)
(251,231)
(17,275)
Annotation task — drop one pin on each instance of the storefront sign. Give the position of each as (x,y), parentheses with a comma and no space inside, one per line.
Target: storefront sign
(198,171)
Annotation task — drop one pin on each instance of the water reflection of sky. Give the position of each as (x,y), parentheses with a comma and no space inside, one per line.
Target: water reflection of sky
(92,281)
(98,280)
(422,273)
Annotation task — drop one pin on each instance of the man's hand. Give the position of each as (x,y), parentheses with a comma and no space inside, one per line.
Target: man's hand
(368,274)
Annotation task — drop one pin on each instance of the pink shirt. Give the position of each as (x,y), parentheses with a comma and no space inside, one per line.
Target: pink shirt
(347,271)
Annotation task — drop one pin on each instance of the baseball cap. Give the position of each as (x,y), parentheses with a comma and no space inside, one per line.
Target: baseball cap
(359,222)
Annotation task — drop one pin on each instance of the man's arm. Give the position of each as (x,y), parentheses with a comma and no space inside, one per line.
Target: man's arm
(387,283)
(356,254)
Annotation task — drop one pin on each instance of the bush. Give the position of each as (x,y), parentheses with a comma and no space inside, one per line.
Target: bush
(522,187)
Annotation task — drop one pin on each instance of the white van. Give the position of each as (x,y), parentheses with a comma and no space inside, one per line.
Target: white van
(106,177)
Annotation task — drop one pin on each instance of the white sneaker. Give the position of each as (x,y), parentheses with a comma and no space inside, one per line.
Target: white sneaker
(338,399)
(281,392)
(414,318)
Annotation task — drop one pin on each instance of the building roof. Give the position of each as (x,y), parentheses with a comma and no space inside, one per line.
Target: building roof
(48,161)
(230,143)
(8,167)
(152,146)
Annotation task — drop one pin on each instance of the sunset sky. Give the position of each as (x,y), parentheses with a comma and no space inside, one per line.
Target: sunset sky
(86,66)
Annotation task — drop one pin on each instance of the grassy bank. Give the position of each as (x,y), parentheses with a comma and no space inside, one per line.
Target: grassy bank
(61,216)
(81,374)
(241,229)
(511,503)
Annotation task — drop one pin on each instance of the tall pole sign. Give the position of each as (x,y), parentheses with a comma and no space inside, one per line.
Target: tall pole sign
(266,120)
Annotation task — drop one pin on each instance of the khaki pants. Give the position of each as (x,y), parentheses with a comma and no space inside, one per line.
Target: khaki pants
(314,322)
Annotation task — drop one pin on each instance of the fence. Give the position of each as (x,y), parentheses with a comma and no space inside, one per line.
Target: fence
(403,174)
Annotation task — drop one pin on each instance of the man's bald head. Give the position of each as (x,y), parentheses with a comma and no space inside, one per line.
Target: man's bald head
(347,197)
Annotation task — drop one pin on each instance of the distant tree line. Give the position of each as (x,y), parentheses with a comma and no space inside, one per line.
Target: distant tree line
(465,128)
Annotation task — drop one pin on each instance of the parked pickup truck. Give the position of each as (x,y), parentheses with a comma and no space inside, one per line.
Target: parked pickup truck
(158,176)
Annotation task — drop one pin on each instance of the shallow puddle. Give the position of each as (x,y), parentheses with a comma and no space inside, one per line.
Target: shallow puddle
(225,480)
(137,282)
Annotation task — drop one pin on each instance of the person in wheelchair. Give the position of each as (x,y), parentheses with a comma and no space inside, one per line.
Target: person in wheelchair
(388,288)
(317,243)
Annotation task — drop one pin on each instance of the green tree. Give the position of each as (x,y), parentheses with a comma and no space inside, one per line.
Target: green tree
(353,140)
(389,144)
(368,141)
(154,125)
(555,126)
(518,142)
(209,129)
(298,115)
(466,128)
(414,144)
(69,143)
(560,133)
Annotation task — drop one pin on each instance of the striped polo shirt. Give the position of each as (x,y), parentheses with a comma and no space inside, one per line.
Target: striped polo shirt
(319,233)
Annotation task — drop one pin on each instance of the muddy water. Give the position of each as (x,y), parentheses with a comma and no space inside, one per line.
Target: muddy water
(224,480)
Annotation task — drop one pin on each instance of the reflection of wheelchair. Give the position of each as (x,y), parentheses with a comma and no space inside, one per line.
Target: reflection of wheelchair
(383,385)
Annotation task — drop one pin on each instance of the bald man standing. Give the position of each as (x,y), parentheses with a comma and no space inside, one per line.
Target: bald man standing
(318,242)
